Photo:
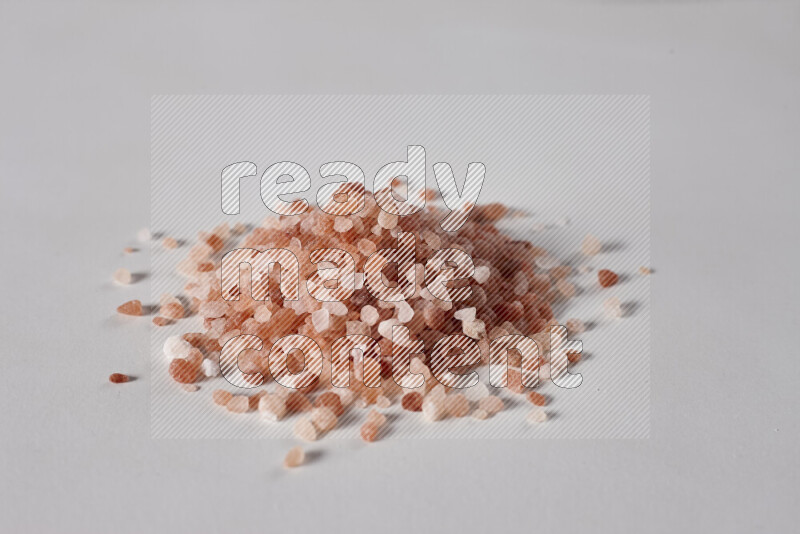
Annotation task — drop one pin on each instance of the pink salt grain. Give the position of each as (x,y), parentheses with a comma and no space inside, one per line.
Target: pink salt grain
(304,429)
(118,378)
(491,404)
(457,405)
(480,414)
(132,307)
(575,326)
(294,458)
(324,418)
(591,246)
(375,417)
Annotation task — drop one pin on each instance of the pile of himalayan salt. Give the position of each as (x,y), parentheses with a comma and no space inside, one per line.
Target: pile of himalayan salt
(513,287)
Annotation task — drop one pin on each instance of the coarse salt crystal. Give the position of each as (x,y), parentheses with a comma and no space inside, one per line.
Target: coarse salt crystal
(123,276)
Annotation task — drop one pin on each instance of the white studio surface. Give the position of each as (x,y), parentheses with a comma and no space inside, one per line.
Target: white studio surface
(723,78)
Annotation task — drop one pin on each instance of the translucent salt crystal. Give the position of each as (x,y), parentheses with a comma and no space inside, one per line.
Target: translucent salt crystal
(613,307)
(324,418)
(383,402)
(176,347)
(645,271)
(480,414)
(438,392)
(304,429)
(491,404)
(404,312)
(173,310)
(387,220)
(481,274)
(358,279)
(369,432)
(366,247)
(190,388)
(169,243)
(475,329)
(591,245)
(536,416)
(321,319)
(369,315)
(566,288)
(221,397)
(432,239)
(357,328)
(122,276)
(342,224)
(346,396)
(143,235)
(476,392)
(575,326)
(238,404)
(465,314)
(433,409)
(375,417)
(377,230)
(294,458)
(262,314)
(210,368)
(385,327)
(336,308)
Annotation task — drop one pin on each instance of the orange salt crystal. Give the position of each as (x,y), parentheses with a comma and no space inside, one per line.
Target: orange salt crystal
(221,397)
(369,432)
(537,399)
(332,401)
(190,388)
(132,307)
(412,402)
(169,243)
(294,458)
(375,417)
(324,419)
(129,250)
(183,371)
(118,378)
(644,271)
(161,321)
(607,278)
(304,429)
(591,246)
(238,404)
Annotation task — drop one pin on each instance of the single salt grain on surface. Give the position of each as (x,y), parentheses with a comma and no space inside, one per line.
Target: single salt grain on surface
(238,404)
(143,235)
(645,271)
(537,399)
(491,404)
(383,402)
(331,400)
(169,243)
(190,388)
(567,289)
(613,307)
(221,397)
(304,429)
(129,250)
(575,326)
(607,278)
(173,310)
(375,417)
(132,307)
(412,402)
(591,246)
(272,407)
(118,378)
(161,321)
(176,347)
(294,458)
(536,416)
(324,418)
(122,276)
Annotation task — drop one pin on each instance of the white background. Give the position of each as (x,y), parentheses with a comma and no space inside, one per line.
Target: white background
(74,154)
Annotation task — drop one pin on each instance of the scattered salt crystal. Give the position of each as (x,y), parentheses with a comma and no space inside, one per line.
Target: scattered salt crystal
(387,220)
(536,416)
(433,409)
(190,388)
(213,308)
(546,262)
(169,243)
(294,458)
(457,405)
(323,418)
(491,404)
(475,329)
(383,402)
(375,417)
(143,235)
(566,288)
(272,407)
(385,327)
(336,308)
(122,276)
(613,307)
(476,392)
(238,404)
(644,271)
(591,245)
(480,414)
